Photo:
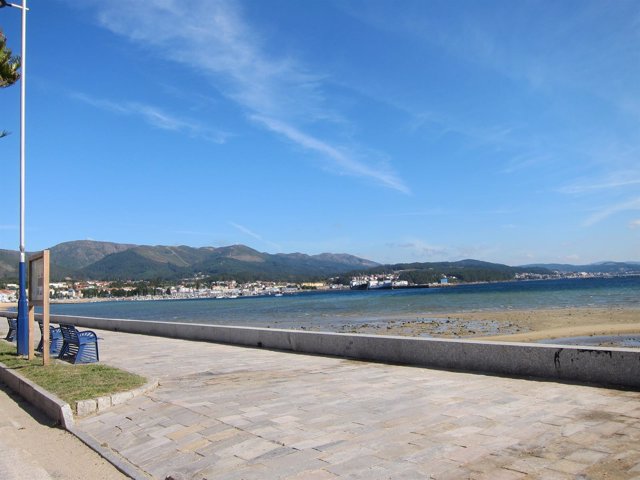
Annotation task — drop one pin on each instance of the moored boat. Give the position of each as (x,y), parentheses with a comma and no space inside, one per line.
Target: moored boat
(359,285)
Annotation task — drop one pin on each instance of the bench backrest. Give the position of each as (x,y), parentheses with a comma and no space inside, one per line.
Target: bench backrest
(69,333)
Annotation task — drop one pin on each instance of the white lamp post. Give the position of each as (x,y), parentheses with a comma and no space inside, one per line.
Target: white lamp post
(23,327)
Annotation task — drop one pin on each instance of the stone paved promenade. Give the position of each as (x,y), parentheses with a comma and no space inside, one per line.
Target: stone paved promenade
(225,412)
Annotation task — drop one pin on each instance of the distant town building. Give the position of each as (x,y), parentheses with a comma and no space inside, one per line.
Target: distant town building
(7,296)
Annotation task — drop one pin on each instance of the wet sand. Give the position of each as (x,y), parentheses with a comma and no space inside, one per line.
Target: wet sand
(512,325)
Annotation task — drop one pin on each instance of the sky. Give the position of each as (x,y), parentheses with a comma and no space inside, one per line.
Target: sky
(411,131)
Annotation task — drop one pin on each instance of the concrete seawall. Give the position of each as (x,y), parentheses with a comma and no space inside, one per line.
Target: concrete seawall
(591,365)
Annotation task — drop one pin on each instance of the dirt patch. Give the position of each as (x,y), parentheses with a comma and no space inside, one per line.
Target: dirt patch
(43,446)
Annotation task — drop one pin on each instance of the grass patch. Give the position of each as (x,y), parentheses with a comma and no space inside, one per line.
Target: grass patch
(71,382)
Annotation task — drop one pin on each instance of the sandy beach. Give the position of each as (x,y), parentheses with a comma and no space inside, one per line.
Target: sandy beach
(513,325)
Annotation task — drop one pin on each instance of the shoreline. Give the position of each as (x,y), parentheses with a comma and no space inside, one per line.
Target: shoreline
(526,325)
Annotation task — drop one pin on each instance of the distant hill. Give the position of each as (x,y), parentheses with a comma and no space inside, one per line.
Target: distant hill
(81,253)
(465,270)
(233,262)
(113,261)
(9,263)
(600,267)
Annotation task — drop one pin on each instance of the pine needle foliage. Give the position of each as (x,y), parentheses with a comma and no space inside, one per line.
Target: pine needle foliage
(9,64)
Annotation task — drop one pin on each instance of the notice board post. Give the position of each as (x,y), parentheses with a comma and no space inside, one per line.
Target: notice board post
(39,297)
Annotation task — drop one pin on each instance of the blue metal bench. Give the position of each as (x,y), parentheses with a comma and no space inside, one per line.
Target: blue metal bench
(55,339)
(78,347)
(13,330)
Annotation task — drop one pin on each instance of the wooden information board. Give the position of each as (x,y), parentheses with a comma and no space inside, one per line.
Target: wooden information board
(39,297)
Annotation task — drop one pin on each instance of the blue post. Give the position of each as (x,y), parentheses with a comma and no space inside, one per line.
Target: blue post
(23,317)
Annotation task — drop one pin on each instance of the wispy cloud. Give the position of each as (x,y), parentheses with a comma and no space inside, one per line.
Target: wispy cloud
(478,135)
(193,232)
(212,37)
(431,212)
(611,182)
(345,162)
(253,234)
(601,69)
(155,117)
(420,250)
(244,229)
(499,39)
(526,161)
(605,212)
(634,224)
(418,213)
(514,142)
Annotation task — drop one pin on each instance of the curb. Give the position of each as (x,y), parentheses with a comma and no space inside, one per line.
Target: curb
(84,408)
(120,463)
(51,405)
(61,412)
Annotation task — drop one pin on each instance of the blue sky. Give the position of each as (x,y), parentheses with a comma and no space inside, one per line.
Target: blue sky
(396,131)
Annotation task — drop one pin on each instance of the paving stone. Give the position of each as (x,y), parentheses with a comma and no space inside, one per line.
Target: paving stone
(195,445)
(246,472)
(437,468)
(249,413)
(296,462)
(529,465)
(355,465)
(275,453)
(465,455)
(249,449)
(498,474)
(548,474)
(589,457)
(312,475)
(183,432)
(345,453)
(170,464)
(567,466)
(163,431)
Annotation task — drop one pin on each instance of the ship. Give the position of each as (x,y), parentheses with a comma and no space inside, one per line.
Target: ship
(380,285)
(359,285)
(371,285)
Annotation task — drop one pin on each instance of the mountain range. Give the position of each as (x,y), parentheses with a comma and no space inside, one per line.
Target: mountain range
(88,259)
(599,267)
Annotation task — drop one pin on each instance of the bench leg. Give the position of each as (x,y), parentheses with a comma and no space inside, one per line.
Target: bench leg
(63,349)
(68,350)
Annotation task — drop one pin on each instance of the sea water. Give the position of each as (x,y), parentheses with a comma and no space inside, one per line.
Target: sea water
(334,309)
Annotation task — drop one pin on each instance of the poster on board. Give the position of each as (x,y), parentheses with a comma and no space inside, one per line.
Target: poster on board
(39,297)
(36,280)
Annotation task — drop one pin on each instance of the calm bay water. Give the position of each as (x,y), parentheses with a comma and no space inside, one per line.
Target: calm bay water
(334,309)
